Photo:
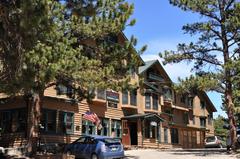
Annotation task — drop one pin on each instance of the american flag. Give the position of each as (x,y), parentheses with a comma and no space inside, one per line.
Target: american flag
(93,118)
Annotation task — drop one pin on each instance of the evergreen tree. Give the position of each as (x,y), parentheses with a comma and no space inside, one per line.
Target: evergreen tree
(219,122)
(214,53)
(46,42)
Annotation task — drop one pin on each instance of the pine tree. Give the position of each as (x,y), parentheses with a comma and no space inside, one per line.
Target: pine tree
(46,42)
(215,51)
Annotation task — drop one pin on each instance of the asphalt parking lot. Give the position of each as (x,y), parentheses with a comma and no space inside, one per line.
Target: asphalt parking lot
(179,154)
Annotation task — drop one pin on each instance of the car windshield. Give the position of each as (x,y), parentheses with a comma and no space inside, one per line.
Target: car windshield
(210,139)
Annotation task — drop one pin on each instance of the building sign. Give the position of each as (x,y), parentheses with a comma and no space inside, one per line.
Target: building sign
(112,96)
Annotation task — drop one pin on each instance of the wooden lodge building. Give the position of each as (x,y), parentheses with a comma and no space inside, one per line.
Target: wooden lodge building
(151,116)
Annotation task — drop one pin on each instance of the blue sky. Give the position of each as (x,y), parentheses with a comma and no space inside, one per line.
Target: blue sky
(159,26)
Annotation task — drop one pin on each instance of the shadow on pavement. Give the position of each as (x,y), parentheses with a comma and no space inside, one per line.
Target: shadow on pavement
(131,157)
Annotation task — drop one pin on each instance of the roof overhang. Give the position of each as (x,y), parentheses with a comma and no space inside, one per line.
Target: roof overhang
(147,116)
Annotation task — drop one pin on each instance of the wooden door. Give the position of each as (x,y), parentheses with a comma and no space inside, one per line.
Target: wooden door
(125,133)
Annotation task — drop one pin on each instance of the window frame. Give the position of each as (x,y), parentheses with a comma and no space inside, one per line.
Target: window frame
(125,95)
(133,97)
(148,101)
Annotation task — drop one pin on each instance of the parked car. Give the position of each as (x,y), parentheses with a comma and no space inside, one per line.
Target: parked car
(96,147)
(214,141)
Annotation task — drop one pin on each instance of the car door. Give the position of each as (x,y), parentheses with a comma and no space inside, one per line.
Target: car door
(78,147)
(90,146)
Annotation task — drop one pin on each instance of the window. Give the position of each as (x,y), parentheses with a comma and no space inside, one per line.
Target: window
(48,121)
(202,104)
(165,135)
(88,127)
(133,97)
(210,119)
(13,120)
(112,104)
(185,118)
(174,136)
(167,94)
(190,102)
(193,120)
(183,99)
(68,120)
(203,122)
(132,71)
(65,122)
(124,97)
(150,129)
(155,101)
(116,128)
(105,128)
(64,90)
(148,101)
(101,94)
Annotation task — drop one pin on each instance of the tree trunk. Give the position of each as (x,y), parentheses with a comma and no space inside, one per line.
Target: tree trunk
(34,112)
(232,122)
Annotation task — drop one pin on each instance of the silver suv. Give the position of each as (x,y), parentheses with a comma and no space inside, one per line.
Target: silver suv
(214,141)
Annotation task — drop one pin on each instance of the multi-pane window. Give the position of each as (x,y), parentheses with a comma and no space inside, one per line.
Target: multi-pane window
(116,128)
(105,128)
(148,101)
(174,136)
(88,127)
(13,120)
(68,119)
(155,101)
(203,122)
(65,122)
(133,97)
(125,97)
(48,121)
(165,135)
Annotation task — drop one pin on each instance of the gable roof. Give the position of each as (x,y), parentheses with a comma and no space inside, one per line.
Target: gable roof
(212,107)
(149,64)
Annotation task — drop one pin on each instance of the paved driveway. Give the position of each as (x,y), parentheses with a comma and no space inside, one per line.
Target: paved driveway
(178,154)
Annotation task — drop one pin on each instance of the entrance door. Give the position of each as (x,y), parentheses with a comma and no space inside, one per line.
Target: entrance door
(125,134)
(133,133)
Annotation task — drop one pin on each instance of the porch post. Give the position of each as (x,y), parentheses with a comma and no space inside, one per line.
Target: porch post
(143,130)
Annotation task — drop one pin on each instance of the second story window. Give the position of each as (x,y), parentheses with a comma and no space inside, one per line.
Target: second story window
(167,94)
(101,94)
(185,118)
(203,122)
(133,97)
(210,119)
(155,101)
(125,97)
(147,101)
(190,102)
(202,104)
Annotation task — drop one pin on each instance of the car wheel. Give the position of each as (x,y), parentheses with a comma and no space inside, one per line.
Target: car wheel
(94,156)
